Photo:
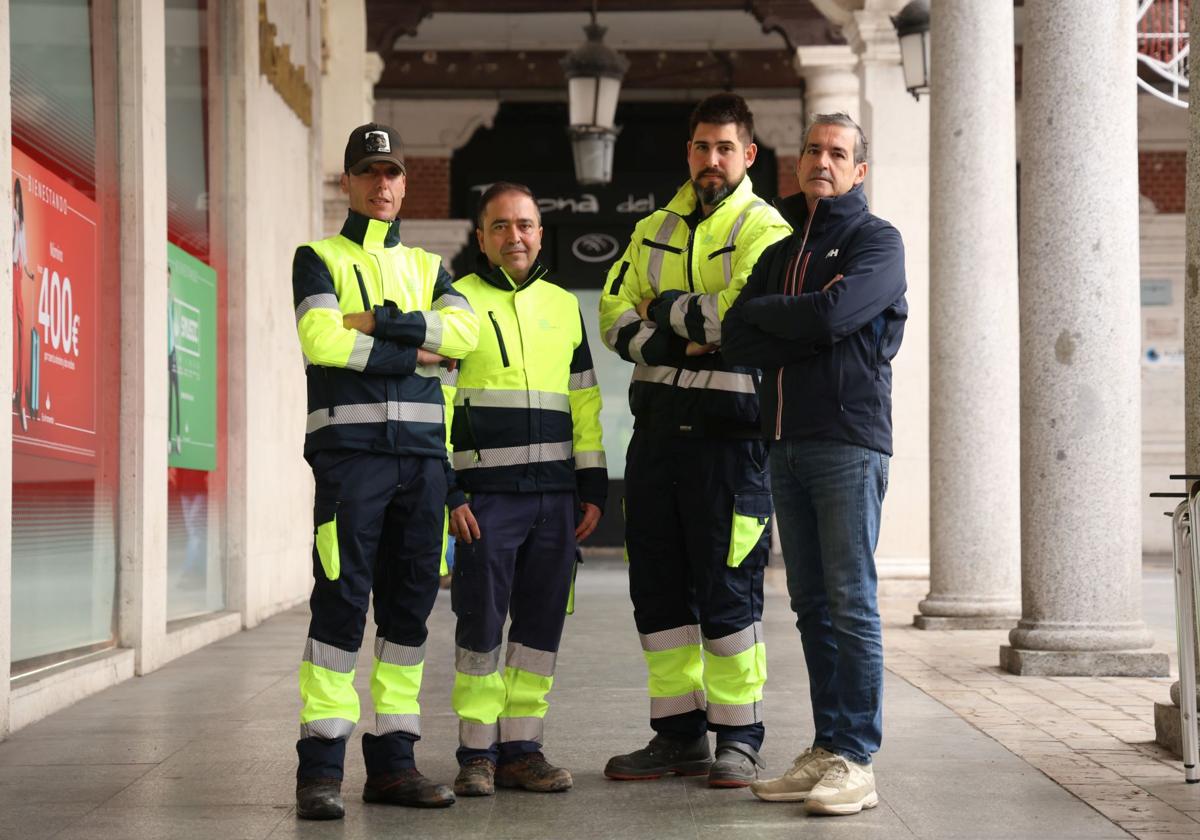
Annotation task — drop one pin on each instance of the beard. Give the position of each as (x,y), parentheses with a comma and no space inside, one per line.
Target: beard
(713,194)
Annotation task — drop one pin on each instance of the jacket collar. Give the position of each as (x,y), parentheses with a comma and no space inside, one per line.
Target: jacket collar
(495,275)
(839,208)
(371,234)
(685,201)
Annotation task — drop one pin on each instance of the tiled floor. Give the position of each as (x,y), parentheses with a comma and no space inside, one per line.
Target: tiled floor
(204,747)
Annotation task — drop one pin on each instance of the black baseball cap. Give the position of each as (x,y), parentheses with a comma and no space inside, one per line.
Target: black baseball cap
(371,143)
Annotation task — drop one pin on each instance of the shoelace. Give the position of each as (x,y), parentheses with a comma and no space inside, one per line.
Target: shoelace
(837,772)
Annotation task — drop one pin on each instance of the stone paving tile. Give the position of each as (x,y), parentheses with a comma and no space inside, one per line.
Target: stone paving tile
(1092,735)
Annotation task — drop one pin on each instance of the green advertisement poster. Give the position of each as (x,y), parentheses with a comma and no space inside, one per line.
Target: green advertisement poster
(191,362)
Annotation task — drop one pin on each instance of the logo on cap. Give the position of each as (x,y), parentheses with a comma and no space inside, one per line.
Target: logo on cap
(376,142)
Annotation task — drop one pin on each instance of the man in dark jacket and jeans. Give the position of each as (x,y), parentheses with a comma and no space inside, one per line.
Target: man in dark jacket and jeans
(822,314)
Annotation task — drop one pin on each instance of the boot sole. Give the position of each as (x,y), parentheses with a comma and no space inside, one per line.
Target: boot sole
(692,768)
(320,815)
(813,806)
(729,783)
(375,799)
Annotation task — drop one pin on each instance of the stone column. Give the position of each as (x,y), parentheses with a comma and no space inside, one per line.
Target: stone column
(974,442)
(142,540)
(897,184)
(830,84)
(1080,378)
(1166,715)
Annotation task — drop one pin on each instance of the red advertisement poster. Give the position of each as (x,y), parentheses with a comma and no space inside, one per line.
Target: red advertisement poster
(54,305)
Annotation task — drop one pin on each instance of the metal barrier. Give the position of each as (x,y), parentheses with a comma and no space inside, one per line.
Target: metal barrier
(1186,545)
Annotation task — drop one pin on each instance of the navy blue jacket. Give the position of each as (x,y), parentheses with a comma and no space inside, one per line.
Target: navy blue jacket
(822,315)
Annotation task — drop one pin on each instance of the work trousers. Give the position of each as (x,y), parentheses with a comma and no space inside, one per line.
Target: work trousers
(380,523)
(697,538)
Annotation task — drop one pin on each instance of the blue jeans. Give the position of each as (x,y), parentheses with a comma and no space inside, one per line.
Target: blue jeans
(828,497)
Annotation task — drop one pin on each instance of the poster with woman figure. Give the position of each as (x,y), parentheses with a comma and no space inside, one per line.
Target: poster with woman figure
(54,306)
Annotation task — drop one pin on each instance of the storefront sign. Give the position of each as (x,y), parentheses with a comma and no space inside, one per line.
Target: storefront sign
(191,362)
(54,306)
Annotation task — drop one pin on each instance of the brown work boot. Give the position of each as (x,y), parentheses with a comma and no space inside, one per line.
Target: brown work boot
(407,787)
(476,778)
(532,772)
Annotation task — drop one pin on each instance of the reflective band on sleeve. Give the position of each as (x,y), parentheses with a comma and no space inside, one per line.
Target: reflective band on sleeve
(404,412)
(394,654)
(645,331)
(530,659)
(322,301)
(447,300)
(511,456)
(735,643)
(581,380)
(735,715)
(475,663)
(329,657)
(521,729)
(629,316)
(655,260)
(590,460)
(449,377)
(712,319)
(713,380)
(675,637)
(477,736)
(385,724)
(497,398)
(361,352)
(661,707)
(331,729)
(678,312)
(433,331)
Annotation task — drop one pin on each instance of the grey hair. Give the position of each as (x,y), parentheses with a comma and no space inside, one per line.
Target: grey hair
(860,141)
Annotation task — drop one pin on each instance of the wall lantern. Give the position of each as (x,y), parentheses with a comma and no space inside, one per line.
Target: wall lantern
(594,74)
(912,26)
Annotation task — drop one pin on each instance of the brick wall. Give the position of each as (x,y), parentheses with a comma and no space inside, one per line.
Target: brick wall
(1161,178)
(428,193)
(787,175)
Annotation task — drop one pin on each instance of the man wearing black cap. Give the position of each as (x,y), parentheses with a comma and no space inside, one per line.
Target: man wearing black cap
(378,323)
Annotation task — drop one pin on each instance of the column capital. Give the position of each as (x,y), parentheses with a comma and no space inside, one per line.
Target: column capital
(444,125)
(830,81)
(778,123)
(873,37)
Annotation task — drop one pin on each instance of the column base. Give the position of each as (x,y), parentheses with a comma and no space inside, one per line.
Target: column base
(1083,663)
(964,622)
(1168,728)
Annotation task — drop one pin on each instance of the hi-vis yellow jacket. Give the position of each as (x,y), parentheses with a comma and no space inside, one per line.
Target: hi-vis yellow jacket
(366,391)
(694,268)
(527,405)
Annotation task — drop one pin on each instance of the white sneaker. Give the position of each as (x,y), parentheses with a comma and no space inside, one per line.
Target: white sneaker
(794,785)
(846,788)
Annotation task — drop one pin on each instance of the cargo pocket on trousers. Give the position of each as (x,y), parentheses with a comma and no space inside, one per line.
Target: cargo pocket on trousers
(751,513)
(326,541)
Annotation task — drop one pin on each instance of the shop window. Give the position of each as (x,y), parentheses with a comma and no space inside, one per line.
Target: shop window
(66,330)
(195,328)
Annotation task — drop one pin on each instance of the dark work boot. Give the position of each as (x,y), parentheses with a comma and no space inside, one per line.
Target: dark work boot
(407,787)
(319,799)
(661,756)
(533,772)
(736,765)
(476,778)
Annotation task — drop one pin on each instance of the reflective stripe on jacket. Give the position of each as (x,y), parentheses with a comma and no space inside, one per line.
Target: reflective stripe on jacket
(366,391)
(526,412)
(694,268)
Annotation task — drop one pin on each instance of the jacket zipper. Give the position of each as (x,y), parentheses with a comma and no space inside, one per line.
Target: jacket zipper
(690,242)
(471,429)
(796,286)
(499,338)
(362,289)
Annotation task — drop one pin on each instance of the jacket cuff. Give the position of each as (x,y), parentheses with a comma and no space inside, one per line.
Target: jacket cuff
(592,485)
(455,498)
(660,310)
